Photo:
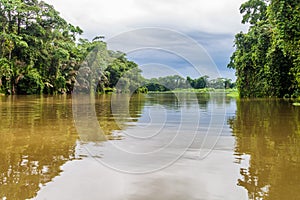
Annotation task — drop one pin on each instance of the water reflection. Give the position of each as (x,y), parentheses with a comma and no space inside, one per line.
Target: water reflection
(115,112)
(36,138)
(168,164)
(269,132)
(157,128)
(169,100)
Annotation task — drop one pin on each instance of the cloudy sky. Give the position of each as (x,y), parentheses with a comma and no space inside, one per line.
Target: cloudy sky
(162,33)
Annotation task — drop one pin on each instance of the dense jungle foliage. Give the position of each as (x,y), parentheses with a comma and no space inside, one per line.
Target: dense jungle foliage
(267,57)
(41,53)
(175,82)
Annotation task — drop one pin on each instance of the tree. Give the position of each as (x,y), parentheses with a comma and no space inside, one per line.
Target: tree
(284,16)
(266,57)
(39,52)
(166,83)
(198,83)
(38,44)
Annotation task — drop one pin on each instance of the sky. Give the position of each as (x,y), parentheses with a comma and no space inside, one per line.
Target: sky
(185,37)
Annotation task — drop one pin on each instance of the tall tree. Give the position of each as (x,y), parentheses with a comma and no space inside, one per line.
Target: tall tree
(41,53)
(266,57)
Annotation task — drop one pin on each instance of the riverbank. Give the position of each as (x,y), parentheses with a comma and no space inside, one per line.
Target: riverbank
(229,92)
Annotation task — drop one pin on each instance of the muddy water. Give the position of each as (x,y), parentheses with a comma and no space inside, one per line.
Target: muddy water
(155,146)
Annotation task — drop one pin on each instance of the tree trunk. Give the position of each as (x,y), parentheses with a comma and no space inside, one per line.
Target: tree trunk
(19,24)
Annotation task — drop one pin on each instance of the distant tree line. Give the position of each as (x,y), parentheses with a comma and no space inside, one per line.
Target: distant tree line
(267,57)
(169,83)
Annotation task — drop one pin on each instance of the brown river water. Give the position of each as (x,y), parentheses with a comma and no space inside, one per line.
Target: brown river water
(155,146)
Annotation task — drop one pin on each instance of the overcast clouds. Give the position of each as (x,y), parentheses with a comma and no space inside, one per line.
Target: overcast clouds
(212,23)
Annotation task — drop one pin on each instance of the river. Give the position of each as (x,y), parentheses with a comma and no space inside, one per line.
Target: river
(154,146)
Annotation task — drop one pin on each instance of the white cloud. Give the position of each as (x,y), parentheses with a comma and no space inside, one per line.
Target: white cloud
(111,17)
(212,23)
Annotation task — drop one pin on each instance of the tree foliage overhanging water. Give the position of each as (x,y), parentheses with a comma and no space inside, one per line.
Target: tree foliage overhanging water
(267,57)
(41,53)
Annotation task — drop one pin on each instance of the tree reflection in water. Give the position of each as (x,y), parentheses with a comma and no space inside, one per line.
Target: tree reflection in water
(269,132)
(37,137)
